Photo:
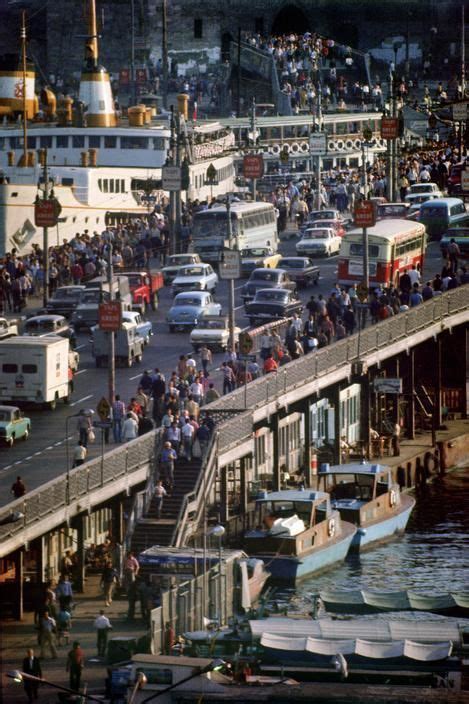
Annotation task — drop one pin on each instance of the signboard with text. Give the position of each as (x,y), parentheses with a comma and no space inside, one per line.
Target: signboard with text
(230,265)
(465,180)
(364,214)
(460,112)
(45,213)
(171,176)
(387,386)
(317,143)
(389,127)
(253,166)
(110,316)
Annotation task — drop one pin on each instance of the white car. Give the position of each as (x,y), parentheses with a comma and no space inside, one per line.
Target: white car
(195,277)
(174,264)
(144,327)
(319,242)
(417,190)
(214,332)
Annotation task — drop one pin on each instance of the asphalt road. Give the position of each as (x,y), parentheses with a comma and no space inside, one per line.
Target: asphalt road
(43,456)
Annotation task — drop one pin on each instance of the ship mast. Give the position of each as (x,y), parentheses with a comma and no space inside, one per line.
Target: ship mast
(25,111)
(91,46)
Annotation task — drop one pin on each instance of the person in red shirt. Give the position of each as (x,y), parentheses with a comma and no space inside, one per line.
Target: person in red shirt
(270,365)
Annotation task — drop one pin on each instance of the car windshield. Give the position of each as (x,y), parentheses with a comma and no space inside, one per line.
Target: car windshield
(187,301)
(316,234)
(324,223)
(421,188)
(134,281)
(388,210)
(322,215)
(265,276)
(212,324)
(91,296)
(260,252)
(63,294)
(176,259)
(33,326)
(271,295)
(294,263)
(4,415)
(193,271)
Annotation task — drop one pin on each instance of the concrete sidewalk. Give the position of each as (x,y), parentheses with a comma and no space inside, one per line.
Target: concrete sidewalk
(17,636)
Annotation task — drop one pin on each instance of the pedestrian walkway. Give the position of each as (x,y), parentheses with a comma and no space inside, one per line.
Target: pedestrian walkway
(16,637)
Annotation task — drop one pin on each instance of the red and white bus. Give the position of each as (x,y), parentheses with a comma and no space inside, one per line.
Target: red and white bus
(393,246)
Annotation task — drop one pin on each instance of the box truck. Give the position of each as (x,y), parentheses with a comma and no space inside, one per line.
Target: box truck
(34,370)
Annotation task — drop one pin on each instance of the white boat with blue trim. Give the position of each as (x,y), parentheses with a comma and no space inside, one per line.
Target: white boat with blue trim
(366,495)
(298,533)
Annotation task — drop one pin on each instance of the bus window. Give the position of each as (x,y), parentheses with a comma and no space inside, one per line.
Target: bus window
(356,249)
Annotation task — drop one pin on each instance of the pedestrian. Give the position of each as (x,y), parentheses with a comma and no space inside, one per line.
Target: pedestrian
(104,413)
(228,377)
(131,568)
(205,358)
(64,592)
(453,253)
(74,666)
(18,489)
(129,428)
(118,413)
(396,436)
(31,666)
(84,427)
(167,460)
(47,631)
(160,493)
(64,625)
(109,579)
(103,626)
(79,454)
(187,432)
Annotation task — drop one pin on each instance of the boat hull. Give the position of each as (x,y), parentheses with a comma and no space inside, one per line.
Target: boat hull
(377,531)
(293,568)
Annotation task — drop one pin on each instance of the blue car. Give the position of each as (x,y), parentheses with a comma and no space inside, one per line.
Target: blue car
(189,307)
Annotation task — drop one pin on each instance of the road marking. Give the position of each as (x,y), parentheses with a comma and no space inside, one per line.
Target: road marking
(238,287)
(19,462)
(56,444)
(80,400)
(28,458)
(39,452)
(238,307)
(7,467)
(51,447)
(80,347)
(82,371)
(132,378)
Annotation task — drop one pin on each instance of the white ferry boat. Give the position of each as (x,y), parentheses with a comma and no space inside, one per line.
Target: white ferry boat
(102,168)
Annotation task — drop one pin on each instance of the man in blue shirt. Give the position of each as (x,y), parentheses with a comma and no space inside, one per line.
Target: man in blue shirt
(415,297)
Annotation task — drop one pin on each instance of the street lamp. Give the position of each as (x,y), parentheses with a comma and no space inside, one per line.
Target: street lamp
(139,684)
(19,677)
(215,665)
(218,531)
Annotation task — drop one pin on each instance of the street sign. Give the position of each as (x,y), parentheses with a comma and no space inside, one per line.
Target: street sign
(110,316)
(389,127)
(253,166)
(46,212)
(387,386)
(460,112)
(364,214)
(317,143)
(230,265)
(171,176)
(245,343)
(465,180)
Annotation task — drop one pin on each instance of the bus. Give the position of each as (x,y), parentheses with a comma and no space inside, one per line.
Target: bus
(252,225)
(393,246)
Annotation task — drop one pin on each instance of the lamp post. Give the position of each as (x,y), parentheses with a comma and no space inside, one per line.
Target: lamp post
(218,531)
(231,293)
(215,665)
(19,677)
(132,53)
(139,683)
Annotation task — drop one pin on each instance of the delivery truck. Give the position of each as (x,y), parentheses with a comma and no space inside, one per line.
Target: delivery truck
(34,370)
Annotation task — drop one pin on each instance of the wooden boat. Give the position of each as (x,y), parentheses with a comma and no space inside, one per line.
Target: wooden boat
(365,495)
(298,534)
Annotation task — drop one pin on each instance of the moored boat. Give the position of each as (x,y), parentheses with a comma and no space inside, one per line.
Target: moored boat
(365,495)
(298,533)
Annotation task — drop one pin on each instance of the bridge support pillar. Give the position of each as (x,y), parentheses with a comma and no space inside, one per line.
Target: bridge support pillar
(117,520)
(307,453)
(18,608)
(437,415)
(80,573)
(410,424)
(243,486)
(276,483)
(365,414)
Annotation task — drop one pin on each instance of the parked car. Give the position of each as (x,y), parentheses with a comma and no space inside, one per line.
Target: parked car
(195,277)
(422,189)
(144,287)
(266,278)
(65,300)
(13,425)
(174,264)
(189,307)
(8,328)
(392,210)
(319,242)
(39,325)
(272,304)
(214,332)
(144,327)
(258,257)
(301,270)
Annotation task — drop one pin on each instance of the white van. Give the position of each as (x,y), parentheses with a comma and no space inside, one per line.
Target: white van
(34,370)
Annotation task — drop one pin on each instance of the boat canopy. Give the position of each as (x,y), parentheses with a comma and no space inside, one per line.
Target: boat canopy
(365,600)
(292,495)
(355,468)
(423,652)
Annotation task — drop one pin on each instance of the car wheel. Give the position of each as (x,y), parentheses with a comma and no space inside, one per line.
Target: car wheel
(9,441)
(138,359)
(154,301)
(26,434)
(252,322)
(130,361)
(52,405)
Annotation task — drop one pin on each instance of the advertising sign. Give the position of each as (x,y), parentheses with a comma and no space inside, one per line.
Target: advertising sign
(253,166)
(230,265)
(110,316)
(388,386)
(171,176)
(389,127)
(317,143)
(364,214)
(46,212)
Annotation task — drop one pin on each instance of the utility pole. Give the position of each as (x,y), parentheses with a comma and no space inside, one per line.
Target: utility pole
(111,352)
(254,135)
(178,193)
(238,91)
(164,49)
(172,194)
(45,231)
(25,104)
(463,52)
(132,53)
(231,294)
(318,157)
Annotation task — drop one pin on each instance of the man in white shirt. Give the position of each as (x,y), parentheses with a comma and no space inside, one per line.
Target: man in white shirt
(187,437)
(130,428)
(414,275)
(103,626)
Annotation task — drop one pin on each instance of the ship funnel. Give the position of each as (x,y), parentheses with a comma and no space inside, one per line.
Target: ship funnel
(95,86)
(11,87)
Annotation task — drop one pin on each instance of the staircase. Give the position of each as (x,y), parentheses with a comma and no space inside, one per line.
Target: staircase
(150,530)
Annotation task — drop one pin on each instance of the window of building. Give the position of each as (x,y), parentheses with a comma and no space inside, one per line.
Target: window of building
(29,369)
(62,141)
(198,28)
(134,142)
(78,141)
(94,141)
(45,142)
(31,142)
(110,142)
(9,368)
(66,181)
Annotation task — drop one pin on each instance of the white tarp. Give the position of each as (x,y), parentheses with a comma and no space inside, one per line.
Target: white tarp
(372,649)
(269,640)
(386,600)
(285,626)
(425,631)
(245,596)
(355,628)
(330,647)
(427,652)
